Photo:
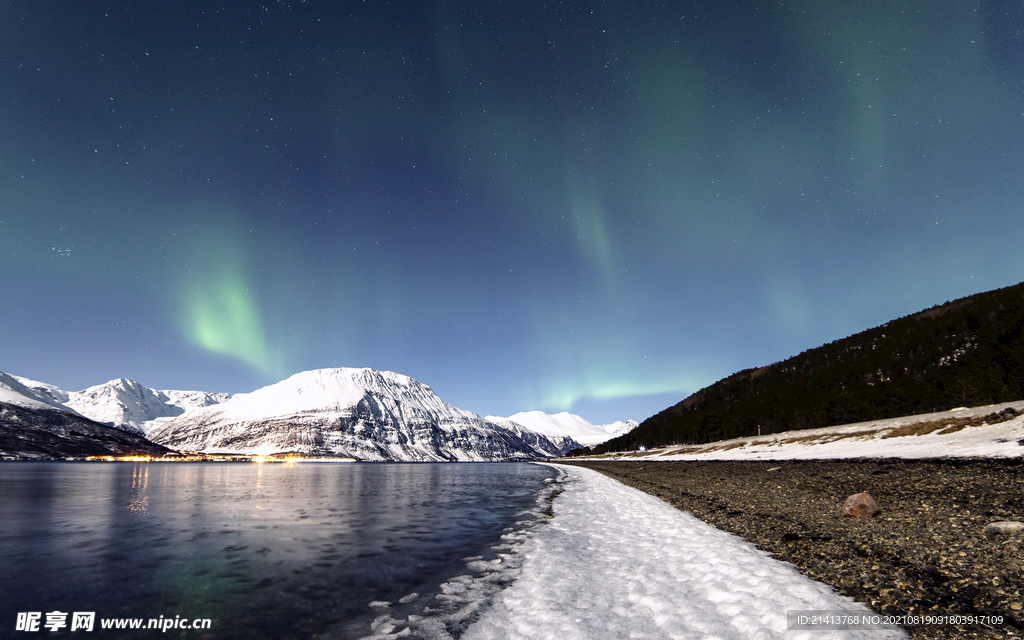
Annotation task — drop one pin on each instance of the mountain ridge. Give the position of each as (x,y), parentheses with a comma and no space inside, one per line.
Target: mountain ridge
(124,403)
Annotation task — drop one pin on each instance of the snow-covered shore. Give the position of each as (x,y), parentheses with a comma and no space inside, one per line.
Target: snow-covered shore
(615,562)
(874,439)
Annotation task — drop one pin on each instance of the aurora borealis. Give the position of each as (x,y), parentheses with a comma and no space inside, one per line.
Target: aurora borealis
(593,207)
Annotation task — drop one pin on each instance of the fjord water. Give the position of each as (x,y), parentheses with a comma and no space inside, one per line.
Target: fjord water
(263,550)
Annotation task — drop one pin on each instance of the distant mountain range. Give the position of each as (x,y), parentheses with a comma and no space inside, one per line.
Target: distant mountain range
(38,426)
(125,403)
(353,413)
(968,352)
(567,425)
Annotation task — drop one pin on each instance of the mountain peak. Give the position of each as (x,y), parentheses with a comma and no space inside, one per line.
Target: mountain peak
(328,390)
(363,376)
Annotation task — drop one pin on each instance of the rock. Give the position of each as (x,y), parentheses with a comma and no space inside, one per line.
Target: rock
(994,529)
(860,505)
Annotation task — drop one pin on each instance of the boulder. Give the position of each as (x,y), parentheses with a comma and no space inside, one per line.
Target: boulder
(860,505)
(994,529)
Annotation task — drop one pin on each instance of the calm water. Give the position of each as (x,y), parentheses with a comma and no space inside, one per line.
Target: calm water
(263,550)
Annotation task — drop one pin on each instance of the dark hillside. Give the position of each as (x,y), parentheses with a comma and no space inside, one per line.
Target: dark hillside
(51,434)
(968,352)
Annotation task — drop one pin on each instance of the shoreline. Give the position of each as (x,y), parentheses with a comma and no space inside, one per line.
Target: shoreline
(925,553)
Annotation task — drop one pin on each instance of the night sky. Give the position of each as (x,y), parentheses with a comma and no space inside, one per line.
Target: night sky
(598,207)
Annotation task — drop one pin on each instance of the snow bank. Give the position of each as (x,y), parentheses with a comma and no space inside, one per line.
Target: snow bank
(618,563)
(615,562)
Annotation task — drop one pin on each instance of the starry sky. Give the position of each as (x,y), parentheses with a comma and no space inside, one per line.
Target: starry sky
(598,207)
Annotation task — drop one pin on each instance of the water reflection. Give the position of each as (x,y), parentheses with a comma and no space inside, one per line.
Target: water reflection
(264,550)
(139,501)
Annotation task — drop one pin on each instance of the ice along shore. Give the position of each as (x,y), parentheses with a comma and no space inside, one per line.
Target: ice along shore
(615,562)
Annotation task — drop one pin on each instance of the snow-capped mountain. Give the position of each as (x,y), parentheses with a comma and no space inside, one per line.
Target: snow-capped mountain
(35,424)
(125,403)
(568,425)
(14,391)
(42,390)
(357,413)
(620,427)
(562,444)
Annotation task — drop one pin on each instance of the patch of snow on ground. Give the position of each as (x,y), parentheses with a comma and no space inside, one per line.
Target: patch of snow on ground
(618,563)
(615,562)
(864,440)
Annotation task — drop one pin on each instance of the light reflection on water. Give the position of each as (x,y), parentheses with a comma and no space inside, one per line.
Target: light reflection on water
(264,550)
(140,479)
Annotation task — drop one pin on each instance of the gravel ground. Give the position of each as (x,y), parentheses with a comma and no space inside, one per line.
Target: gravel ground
(926,553)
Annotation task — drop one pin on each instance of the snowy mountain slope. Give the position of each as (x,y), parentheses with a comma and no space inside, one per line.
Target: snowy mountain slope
(194,399)
(35,426)
(125,403)
(14,391)
(358,413)
(562,443)
(184,400)
(44,390)
(568,425)
(616,429)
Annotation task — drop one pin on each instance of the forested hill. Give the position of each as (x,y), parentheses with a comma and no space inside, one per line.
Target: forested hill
(968,352)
